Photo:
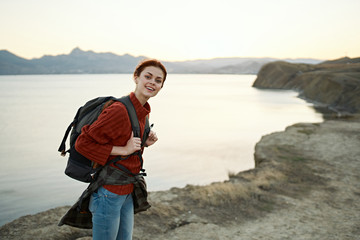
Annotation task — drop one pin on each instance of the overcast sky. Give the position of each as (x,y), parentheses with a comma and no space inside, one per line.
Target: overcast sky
(183,30)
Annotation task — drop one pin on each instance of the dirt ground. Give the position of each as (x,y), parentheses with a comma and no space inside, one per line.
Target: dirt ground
(306,185)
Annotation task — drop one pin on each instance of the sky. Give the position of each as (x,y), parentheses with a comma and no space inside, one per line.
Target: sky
(183,30)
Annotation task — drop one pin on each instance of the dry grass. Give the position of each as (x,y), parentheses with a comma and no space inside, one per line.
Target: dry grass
(219,193)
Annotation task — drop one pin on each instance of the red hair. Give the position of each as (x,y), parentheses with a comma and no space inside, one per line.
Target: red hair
(149,63)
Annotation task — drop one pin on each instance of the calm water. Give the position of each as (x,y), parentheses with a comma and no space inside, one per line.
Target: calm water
(207,127)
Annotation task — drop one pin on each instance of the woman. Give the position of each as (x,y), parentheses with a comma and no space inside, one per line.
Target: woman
(110,136)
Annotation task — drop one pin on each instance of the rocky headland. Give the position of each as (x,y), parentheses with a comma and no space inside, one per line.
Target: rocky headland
(306,183)
(332,85)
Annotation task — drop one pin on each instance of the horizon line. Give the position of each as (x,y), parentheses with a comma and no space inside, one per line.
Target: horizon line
(187,60)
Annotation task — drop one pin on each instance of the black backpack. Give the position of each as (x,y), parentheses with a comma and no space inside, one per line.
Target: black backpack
(78,166)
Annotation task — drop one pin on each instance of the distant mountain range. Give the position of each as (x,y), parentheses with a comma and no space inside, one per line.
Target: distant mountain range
(79,62)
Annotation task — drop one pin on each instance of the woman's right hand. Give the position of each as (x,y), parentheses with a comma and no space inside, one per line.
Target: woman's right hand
(132,145)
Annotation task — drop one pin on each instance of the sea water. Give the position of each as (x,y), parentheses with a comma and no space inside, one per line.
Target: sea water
(207,127)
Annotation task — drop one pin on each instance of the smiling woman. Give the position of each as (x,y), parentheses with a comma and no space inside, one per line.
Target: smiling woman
(151,75)
(148,84)
(111,135)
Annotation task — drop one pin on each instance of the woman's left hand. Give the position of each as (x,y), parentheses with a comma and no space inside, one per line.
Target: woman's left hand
(152,138)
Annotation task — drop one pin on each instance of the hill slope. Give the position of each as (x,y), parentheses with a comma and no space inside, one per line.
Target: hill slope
(334,84)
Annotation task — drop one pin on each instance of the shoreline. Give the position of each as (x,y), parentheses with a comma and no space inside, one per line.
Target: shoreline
(66,192)
(305,184)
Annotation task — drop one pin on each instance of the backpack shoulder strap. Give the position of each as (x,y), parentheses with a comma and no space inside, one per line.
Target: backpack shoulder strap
(135,123)
(134,120)
(146,131)
(62,147)
(132,114)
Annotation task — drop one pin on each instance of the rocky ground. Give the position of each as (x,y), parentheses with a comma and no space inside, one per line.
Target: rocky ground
(306,185)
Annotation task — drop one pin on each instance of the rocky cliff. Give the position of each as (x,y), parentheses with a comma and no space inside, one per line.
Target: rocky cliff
(333,84)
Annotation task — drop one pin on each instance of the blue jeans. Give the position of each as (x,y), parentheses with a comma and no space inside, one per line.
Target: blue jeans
(112,215)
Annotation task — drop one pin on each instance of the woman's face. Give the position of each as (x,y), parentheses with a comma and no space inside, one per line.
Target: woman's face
(149,82)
